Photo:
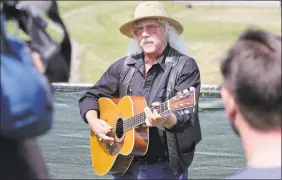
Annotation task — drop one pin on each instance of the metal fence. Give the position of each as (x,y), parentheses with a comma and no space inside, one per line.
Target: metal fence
(207,90)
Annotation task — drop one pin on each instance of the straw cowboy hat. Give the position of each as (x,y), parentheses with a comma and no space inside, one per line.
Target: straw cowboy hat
(150,9)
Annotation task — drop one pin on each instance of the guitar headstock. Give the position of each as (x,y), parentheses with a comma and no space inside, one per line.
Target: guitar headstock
(183,100)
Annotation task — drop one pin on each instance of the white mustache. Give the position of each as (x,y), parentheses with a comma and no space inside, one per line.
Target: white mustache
(148,40)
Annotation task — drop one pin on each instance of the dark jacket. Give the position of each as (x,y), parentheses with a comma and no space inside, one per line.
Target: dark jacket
(184,136)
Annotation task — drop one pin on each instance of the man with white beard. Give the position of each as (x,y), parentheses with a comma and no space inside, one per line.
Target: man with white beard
(156,46)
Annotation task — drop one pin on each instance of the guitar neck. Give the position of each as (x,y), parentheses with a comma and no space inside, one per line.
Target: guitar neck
(140,118)
(185,100)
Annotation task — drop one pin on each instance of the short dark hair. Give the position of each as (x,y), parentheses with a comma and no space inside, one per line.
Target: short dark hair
(252,73)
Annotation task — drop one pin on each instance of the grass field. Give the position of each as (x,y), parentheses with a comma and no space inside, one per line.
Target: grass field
(209,31)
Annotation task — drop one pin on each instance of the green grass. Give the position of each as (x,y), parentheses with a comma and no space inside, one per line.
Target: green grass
(209,32)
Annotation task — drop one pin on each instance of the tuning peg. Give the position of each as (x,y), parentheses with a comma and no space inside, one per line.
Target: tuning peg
(179,93)
(181,112)
(192,89)
(186,111)
(166,113)
(185,91)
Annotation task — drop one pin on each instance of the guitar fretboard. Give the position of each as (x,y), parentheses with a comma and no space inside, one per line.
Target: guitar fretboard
(140,118)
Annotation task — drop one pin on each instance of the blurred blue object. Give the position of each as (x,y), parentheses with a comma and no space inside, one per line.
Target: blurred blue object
(26,97)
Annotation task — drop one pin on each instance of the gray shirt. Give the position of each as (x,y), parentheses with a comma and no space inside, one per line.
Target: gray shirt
(258,173)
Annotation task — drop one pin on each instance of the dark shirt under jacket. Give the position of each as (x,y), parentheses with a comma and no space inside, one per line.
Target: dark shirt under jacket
(141,85)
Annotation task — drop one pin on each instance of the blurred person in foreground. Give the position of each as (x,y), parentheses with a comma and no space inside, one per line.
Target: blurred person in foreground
(21,158)
(27,68)
(251,93)
(22,75)
(155,41)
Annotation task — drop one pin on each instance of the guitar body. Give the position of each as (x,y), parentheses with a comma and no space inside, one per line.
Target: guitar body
(116,159)
(126,116)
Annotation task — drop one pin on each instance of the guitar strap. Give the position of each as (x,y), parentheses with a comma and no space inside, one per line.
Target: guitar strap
(128,72)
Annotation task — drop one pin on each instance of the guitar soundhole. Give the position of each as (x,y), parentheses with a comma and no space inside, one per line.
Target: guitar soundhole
(119,128)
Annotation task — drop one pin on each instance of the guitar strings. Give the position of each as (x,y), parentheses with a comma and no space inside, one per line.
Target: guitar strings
(140,118)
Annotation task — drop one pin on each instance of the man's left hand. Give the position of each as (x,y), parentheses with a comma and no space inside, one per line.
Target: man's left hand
(153,118)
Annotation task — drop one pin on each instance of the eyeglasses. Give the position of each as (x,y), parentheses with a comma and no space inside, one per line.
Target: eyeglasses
(151,28)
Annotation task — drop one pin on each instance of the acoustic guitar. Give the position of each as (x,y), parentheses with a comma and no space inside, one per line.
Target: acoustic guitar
(126,116)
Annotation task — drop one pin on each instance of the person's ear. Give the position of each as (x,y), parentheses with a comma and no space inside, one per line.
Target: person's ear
(229,103)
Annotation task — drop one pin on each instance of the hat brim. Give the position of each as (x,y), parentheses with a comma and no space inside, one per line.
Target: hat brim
(127,28)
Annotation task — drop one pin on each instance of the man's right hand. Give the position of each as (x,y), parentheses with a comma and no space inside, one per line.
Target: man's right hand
(100,127)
